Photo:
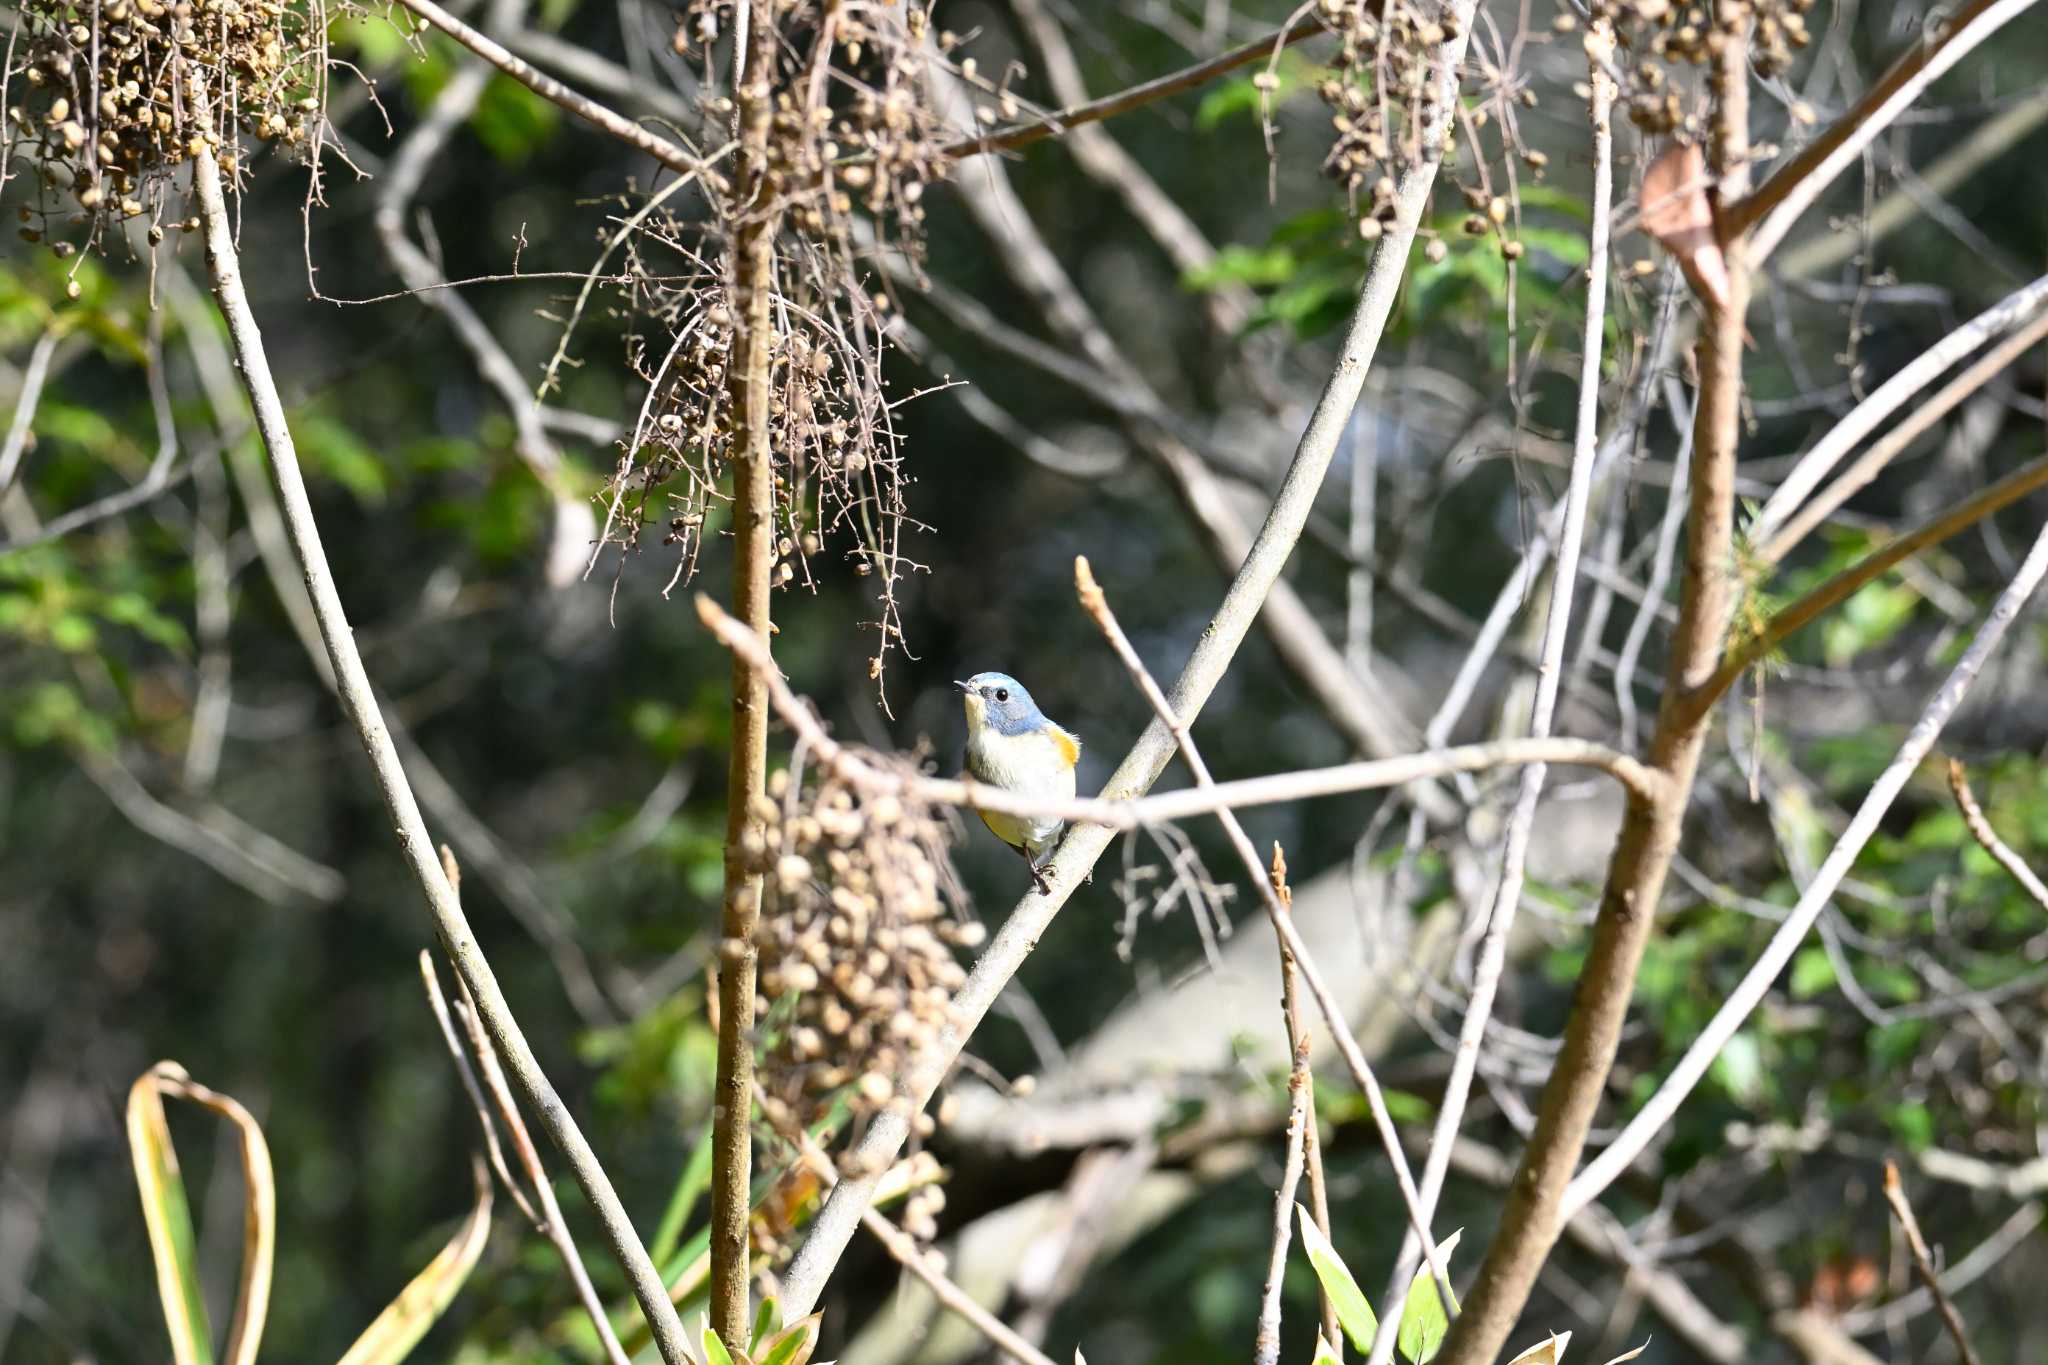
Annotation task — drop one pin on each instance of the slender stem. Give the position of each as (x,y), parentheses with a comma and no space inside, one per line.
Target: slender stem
(1781,200)
(2008,314)
(833,1228)
(1881,453)
(360,704)
(1493,947)
(1923,1261)
(1136,812)
(1293,952)
(1749,992)
(1813,604)
(1303,1078)
(1981,831)
(1137,96)
(753,520)
(1530,1218)
(1300,1116)
(25,401)
(548,88)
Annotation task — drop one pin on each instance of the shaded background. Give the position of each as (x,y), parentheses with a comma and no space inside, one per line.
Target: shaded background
(585,726)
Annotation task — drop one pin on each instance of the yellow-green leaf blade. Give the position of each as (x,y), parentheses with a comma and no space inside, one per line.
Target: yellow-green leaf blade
(420,1304)
(1353,1312)
(168,1215)
(1424,1322)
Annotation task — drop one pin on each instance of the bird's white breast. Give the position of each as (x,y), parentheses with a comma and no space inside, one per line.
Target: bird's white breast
(1032,764)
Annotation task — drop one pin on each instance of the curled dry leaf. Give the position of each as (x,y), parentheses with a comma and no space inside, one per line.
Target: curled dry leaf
(1679,214)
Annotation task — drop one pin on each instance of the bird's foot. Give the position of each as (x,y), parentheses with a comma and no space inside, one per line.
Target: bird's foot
(1038,880)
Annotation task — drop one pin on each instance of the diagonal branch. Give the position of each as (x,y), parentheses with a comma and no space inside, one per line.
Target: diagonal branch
(360,704)
(1779,201)
(1137,96)
(1658,1109)
(548,88)
(1213,653)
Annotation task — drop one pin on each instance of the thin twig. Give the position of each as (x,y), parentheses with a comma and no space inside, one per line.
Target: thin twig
(1137,812)
(360,703)
(430,981)
(1980,829)
(1303,1077)
(1214,649)
(25,400)
(1658,1110)
(1779,202)
(1923,1261)
(2009,314)
(1137,96)
(552,90)
(913,1258)
(1839,588)
(1293,950)
(1493,947)
(1882,452)
(1300,1115)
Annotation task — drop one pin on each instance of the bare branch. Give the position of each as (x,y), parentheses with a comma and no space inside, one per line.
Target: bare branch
(1213,652)
(548,88)
(360,703)
(1779,202)
(1981,831)
(1136,812)
(1657,1111)
(2007,315)
(1923,1261)
(1137,96)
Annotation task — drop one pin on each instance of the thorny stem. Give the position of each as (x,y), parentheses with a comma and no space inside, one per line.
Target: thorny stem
(1530,1220)
(753,519)
(360,704)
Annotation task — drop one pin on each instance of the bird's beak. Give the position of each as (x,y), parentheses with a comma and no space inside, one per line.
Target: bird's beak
(968,688)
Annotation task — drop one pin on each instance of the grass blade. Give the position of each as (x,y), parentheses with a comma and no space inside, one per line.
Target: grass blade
(420,1304)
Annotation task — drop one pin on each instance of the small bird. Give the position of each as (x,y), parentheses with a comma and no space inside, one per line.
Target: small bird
(1011,744)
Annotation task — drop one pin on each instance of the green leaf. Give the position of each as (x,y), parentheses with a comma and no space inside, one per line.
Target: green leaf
(1326,1354)
(1740,1067)
(690,1186)
(420,1304)
(168,1214)
(1238,264)
(1812,972)
(714,1349)
(764,1323)
(793,1344)
(1424,1321)
(1353,1312)
(512,121)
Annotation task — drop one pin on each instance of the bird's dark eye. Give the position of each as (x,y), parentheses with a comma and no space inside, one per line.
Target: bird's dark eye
(1002,694)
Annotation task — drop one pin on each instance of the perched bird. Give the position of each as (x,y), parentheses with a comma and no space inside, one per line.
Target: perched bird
(1011,744)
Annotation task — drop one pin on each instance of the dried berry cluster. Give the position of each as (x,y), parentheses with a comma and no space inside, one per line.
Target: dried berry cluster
(1661,35)
(853,142)
(838,459)
(855,938)
(119,93)
(1383,67)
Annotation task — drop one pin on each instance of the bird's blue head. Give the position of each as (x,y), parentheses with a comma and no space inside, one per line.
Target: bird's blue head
(1000,702)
